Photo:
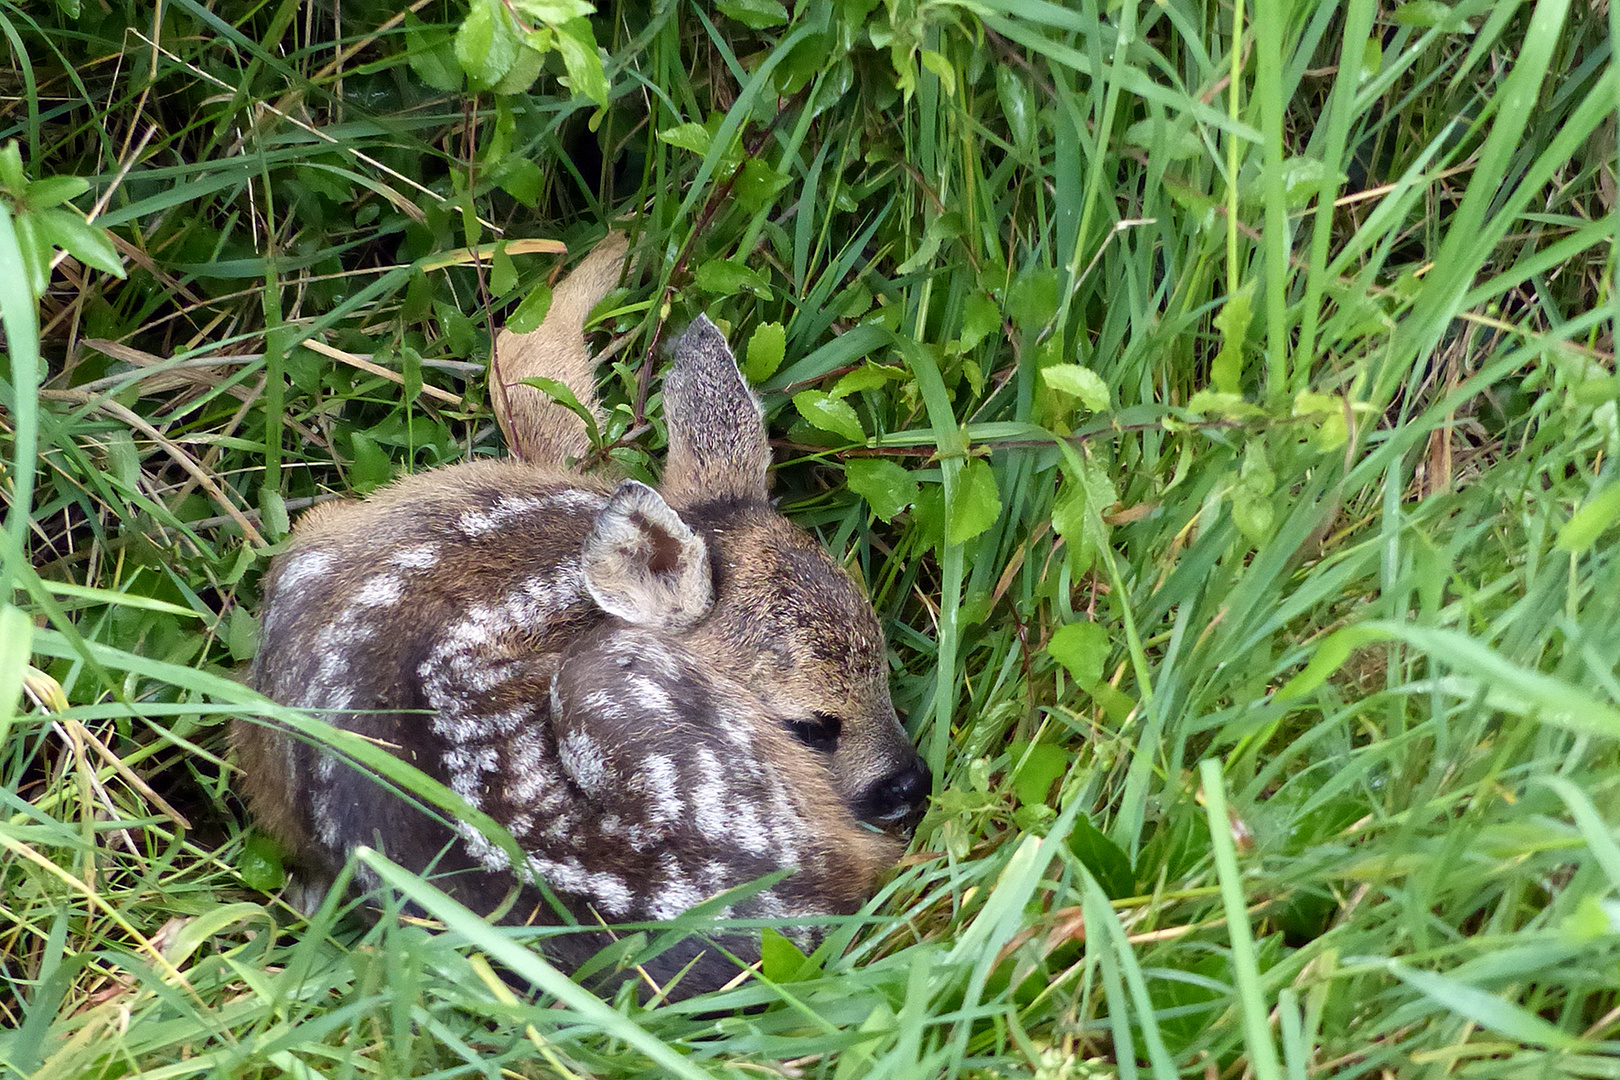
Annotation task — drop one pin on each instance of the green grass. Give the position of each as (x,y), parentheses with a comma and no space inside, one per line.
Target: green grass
(1230,456)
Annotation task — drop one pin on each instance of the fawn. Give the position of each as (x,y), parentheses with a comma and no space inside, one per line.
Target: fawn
(660,695)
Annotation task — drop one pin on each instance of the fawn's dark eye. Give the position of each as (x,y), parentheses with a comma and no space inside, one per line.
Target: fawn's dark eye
(820,732)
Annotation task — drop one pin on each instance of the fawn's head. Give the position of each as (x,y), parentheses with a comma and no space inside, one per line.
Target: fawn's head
(709,560)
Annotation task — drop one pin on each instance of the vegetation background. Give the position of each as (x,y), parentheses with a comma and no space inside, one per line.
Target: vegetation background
(1218,399)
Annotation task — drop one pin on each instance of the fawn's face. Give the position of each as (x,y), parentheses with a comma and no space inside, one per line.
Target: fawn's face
(753,594)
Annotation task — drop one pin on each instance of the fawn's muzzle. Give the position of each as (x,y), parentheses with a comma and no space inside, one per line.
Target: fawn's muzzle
(898,798)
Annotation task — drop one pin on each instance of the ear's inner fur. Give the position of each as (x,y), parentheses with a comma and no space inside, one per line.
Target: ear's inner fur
(643,564)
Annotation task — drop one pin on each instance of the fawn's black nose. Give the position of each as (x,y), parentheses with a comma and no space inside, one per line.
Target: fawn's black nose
(898,797)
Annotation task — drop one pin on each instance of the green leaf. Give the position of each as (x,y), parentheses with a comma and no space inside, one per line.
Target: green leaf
(55,190)
(525,69)
(754,14)
(583,62)
(531,311)
(1080,382)
(1422,13)
(980,316)
(1017,106)
(868,376)
(88,243)
(1327,412)
(1037,767)
(1175,141)
(432,55)
(1595,516)
(720,277)
(502,274)
(781,961)
(766,348)
(1253,515)
(1233,323)
(410,362)
(941,68)
(757,184)
(562,395)
(259,865)
(688,136)
(1105,859)
(1082,648)
(241,634)
(371,468)
(12,176)
(520,178)
(830,414)
(886,487)
(947,226)
(552,12)
(486,47)
(1255,475)
(1484,1008)
(975,504)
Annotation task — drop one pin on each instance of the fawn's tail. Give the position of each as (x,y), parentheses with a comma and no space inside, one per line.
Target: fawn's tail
(537,429)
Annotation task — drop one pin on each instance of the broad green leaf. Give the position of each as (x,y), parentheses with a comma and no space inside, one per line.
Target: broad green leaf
(1017,106)
(1036,767)
(582,61)
(830,414)
(502,274)
(980,316)
(886,487)
(946,226)
(88,243)
(941,68)
(525,69)
(1082,648)
(531,311)
(766,348)
(868,376)
(721,277)
(485,45)
(976,503)
(1255,474)
(1175,141)
(688,136)
(260,865)
(371,467)
(432,55)
(1080,382)
(1595,516)
(55,190)
(757,184)
(754,14)
(520,178)
(1105,859)
(1233,323)
(552,12)
(1327,412)
(560,393)
(781,961)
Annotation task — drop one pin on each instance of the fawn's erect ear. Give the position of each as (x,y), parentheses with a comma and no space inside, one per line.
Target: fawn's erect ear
(717,446)
(643,564)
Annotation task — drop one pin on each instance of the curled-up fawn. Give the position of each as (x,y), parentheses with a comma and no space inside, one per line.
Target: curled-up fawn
(662,695)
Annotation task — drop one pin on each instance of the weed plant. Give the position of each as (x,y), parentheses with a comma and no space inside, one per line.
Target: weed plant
(1218,400)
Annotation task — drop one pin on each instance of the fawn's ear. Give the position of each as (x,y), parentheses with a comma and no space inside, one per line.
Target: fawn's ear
(717,447)
(643,564)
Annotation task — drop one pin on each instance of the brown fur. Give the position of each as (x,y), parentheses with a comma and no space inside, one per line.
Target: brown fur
(661,697)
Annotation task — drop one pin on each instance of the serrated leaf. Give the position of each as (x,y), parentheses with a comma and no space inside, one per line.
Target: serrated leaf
(980,316)
(1082,648)
(829,414)
(754,14)
(582,61)
(766,348)
(1080,382)
(485,45)
(88,243)
(688,136)
(975,504)
(887,487)
(721,277)
(1233,323)
(526,319)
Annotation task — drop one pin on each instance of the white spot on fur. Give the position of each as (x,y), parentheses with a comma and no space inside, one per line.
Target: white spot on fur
(303,566)
(657,779)
(608,892)
(419,557)
(380,591)
(584,760)
(710,812)
(475,523)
